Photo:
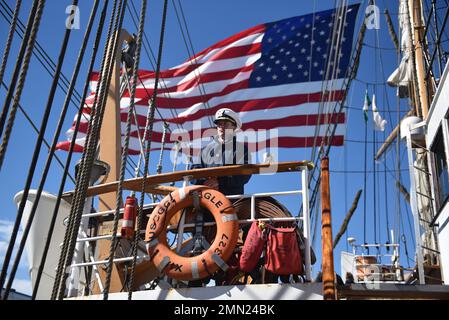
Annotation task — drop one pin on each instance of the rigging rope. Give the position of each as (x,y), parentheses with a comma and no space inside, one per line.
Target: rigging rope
(17,68)
(12,28)
(56,135)
(87,158)
(152,58)
(93,136)
(136,235)
(20,85)
(39,52)
(125,150)
(193,61)
(33,125)
(35,157)
(150,120)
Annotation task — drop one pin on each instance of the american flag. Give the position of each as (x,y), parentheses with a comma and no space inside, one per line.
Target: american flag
(273,75)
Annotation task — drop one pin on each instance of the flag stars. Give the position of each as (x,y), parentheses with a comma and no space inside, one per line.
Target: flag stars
(272,56)
(322,33)
(300,66)
(306,36)
(292,28)
(274,77)
(293,59)
(308,25)
(287,53)
(268,69)
(270,40)
(284,37)
(258,79)
(290,75)
(318,49)
(284,68)
(298,34)
(277,61)
(306,73)
(261,64)
(315,64)
(297,44)
(303,50)
(321,72)
(309,58)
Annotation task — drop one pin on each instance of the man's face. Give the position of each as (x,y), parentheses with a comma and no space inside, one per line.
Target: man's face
(225,129)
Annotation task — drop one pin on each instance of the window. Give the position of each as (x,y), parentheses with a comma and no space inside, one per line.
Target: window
(441,170)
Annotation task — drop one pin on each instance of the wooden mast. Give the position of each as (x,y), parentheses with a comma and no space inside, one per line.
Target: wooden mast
(415,10)
(109,152)
(326,234)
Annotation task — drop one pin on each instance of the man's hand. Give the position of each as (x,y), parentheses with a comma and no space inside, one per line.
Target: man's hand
(212,183)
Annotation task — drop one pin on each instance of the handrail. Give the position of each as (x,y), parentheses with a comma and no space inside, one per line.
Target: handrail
(153,181)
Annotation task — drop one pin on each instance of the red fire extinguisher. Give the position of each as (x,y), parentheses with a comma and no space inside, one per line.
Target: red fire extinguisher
(129,217)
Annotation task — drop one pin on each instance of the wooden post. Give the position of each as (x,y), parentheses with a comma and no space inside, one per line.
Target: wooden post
(326,234)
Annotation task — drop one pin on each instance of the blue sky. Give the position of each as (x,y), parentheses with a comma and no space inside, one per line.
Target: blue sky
(208,23)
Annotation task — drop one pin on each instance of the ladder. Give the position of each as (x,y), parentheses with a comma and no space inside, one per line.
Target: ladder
(423,194)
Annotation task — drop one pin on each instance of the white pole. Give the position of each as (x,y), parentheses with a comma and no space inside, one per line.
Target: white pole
(414,207)
(79,253)
(306,220)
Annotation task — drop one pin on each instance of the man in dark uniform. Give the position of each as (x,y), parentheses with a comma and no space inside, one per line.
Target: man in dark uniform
(224,150)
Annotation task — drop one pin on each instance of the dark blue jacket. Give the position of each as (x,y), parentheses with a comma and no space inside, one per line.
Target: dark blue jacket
(217,154)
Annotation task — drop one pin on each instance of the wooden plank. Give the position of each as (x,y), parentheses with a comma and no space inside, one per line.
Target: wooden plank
(152,181)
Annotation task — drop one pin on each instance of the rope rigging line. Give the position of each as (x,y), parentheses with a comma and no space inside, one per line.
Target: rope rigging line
(152,58)
(8,129)
(66,169)
(150,120)
(125,152)
(9,40)
(332,53)
(38,51)
(44,59)
(192,54)
(34,127)
(69,158)
(355,62)
(86,162)
(63,115)
(133,111)
(136,235)
(18,69)
(346,85)
(35,157)
(93,136)
(364,181)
